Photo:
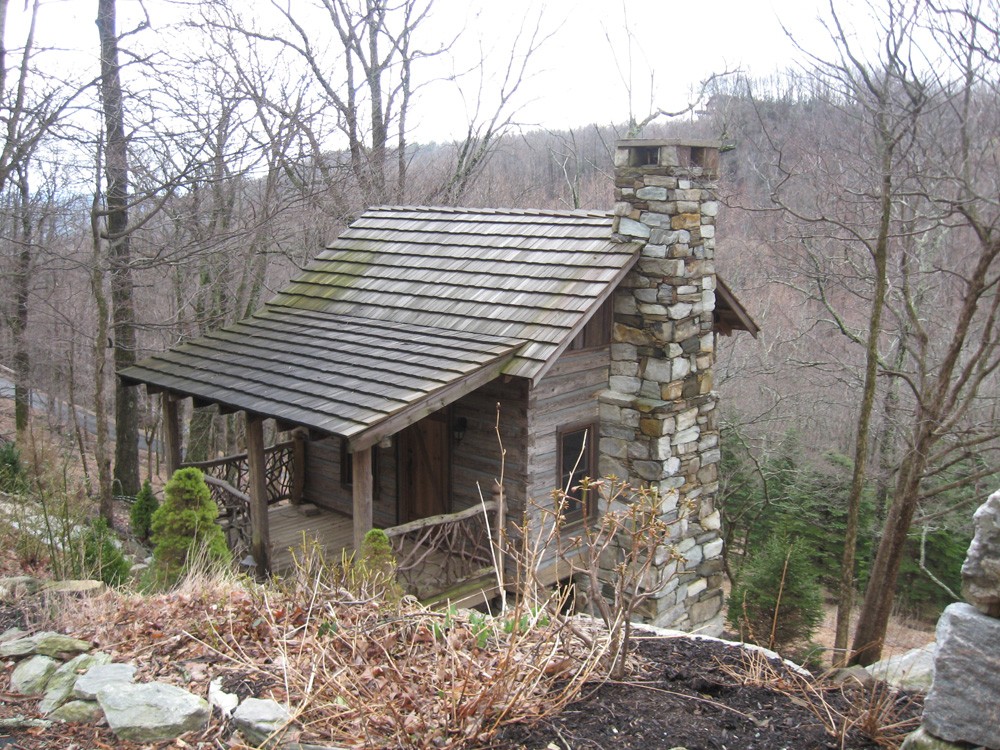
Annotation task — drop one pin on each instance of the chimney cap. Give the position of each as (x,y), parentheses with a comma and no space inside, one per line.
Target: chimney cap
(654,142)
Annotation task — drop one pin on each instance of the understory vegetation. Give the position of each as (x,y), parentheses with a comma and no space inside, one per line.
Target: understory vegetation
(358,662)
(784,514)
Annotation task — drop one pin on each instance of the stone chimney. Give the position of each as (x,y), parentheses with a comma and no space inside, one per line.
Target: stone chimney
(658,418)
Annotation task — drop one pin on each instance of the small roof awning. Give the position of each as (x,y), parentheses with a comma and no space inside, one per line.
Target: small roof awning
(730,315)
(360,379)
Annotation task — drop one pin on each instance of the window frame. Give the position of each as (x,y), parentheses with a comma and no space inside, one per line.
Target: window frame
(347,468)
(584,503)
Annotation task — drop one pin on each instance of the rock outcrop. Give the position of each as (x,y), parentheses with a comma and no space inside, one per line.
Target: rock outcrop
(964,702)
(981,571)
(963,705)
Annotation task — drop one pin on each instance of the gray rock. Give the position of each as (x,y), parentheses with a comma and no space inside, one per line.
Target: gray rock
(260,720)
(14,587)
(964,703)
(47,644)
(78,712)
(856,676)
(913,670)
(12,634)
(19,722)
(32,675)
(152,712)
(924,740)
(82,588)
(60,686)
(981,570)
(98,676)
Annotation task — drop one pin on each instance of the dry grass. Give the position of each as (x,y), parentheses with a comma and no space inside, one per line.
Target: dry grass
(354,670)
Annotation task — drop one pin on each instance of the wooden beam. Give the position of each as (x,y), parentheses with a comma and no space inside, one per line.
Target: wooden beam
(361,466)
(260,535)
(298,466)
(429,404)
(171,432)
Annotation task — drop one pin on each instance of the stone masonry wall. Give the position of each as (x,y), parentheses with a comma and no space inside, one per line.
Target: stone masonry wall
(658,416)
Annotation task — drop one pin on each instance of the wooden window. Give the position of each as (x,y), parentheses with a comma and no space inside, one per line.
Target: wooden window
(577,459)
(347,466)
(597,331)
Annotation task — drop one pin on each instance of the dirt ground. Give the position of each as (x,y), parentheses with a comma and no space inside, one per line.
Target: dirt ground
(703,695)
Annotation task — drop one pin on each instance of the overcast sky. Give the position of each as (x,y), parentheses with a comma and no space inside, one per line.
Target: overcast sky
(579,75)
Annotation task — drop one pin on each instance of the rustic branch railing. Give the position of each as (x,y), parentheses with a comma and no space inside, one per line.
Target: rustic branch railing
(435,553)
(234,514)
(235,471)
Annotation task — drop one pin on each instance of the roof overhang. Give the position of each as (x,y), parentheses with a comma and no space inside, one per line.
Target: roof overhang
(730,315)
(358,379)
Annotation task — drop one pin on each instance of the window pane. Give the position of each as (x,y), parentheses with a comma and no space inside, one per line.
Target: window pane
(575,457)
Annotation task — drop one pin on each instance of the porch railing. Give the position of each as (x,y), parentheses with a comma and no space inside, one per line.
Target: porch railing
(438,552)
(228,479)
(279,462)
(234,514)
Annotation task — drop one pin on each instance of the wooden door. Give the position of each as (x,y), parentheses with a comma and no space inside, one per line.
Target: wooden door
(424,457)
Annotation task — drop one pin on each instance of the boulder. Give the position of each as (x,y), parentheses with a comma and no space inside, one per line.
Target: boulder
(46,644)
(98,676)
(981,570)
(152,712)
(78,712)
(855,676)
(260,720)
(75,588)
(32,675)
(60,686)
(913,670)
(924,740)
(964,702)
(12,634)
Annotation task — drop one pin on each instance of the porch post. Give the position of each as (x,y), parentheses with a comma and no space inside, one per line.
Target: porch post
(361,467)
(171,433)
(260,534)
(298,467)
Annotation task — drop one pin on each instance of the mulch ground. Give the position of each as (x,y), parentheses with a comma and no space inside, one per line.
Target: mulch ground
(691,694)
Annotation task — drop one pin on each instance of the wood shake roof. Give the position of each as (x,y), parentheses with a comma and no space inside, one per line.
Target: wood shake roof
(406,311)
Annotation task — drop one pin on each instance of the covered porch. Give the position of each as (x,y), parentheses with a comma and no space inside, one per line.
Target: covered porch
(444,556)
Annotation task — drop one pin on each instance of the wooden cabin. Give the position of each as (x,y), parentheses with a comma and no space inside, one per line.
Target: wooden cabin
(430,353)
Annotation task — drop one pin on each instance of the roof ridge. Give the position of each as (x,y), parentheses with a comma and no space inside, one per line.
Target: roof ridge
(589,212)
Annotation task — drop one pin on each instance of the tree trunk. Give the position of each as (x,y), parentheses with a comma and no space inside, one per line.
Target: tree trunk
(845,589)
(19,321)
(126,471)
(869,637)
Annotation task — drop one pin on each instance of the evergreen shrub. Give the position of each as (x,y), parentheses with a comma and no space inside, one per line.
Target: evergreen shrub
(101,557)
(184,529)
(777,601)
(13,474)
(142,511)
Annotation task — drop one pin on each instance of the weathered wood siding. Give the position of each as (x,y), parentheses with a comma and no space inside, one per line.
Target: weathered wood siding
(324,489)
(567,395)
(477,458)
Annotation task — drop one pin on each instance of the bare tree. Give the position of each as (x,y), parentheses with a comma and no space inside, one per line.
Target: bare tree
(31,104)
(888,198)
